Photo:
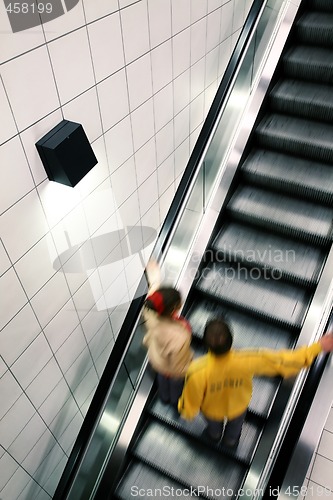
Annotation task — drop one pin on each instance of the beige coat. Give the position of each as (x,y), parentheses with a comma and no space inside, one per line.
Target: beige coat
(168,343)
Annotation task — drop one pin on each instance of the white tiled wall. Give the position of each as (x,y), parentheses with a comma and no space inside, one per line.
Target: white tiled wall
(140,77)
(319,479)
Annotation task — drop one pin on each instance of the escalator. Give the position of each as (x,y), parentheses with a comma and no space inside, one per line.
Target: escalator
(260,269)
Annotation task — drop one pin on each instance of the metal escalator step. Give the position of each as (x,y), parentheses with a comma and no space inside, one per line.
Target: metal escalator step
(290,174)
(298,218)
(272,299)
(193,463)
(239,243)
(326,5)
(248,331)
(305,99)
(251,430)
(304,138)
(144,482)
(316,28)
(309,63)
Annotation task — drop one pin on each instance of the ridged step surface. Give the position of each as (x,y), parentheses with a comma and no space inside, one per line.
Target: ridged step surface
(142,481)
(316,27)
(285,257)
(309,63)
(190,462)
(306,178)
(250,432)
(247,330)
(303,99)
(291,216)
(287,134)
(268,298)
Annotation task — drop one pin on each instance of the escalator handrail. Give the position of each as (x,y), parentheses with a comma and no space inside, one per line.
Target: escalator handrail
(165,235)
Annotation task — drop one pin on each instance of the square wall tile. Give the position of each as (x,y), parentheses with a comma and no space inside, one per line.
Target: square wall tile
(35,268)
(145,161)
(113,99)
(50,299)
(71,349)
(148,193)
(71,20)
(32,361)
(12,295)
(159,12)
(92,322)
(94,10)
(10,392)
(30,87)
(106,46)
(322,472)
(30,136)
(198,10)
(166,174)
(87,295)
(165,143)
(61,326)
(16,484)
(197,78)
(8,466)
(226,20)
(84,109)
(325,447)
(5,263)
(7,124)
(212,66)
(134,21)
(161,59)
(18,334)
(72,65)
(198,40)
(182,123)
(139,78)
(18,234)
(163,106)
(18,181)
(15,44)
(143,124)
(196,112)
(181,15)
(124,181)
(213,30)
(181,52)
(50,194)
(12,424)
(119,143)
(44,383)
(182,89)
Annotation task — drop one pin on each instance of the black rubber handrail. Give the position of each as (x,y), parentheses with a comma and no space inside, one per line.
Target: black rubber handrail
(163,239)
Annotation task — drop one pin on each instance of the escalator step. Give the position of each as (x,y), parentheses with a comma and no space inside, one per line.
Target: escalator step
(316,28)
(250,432)
(304,138)
(325,5)
(144,482)
(247,330)
(298,218)
(305,178)
(304,99)
(239,243)
(271,299)
(309,63)
(193,463)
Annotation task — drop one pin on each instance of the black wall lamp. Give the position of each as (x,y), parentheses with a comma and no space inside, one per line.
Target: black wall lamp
(66,153)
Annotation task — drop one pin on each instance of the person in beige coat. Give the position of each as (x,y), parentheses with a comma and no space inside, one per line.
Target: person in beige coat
(168,340)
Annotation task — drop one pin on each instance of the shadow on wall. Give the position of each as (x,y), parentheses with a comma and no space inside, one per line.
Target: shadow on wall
(110,253)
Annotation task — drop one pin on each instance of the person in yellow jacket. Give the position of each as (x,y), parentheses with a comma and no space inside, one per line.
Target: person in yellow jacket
(219,384)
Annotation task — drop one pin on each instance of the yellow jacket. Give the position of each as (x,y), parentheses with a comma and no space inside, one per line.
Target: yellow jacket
(221,386)
(168,342)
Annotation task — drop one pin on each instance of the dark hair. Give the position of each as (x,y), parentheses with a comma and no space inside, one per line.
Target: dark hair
(217,336)
(164,301)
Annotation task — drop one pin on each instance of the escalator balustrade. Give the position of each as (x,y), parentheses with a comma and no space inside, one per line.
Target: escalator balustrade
(261,267)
